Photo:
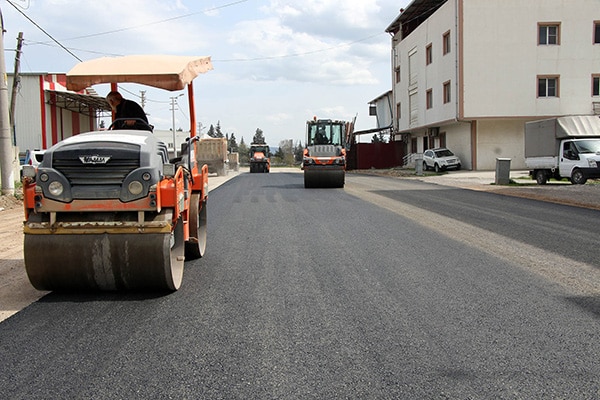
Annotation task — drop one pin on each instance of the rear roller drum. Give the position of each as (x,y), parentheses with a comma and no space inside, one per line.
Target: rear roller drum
(196,246)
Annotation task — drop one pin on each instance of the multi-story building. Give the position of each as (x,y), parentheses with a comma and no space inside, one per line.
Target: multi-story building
(468,74)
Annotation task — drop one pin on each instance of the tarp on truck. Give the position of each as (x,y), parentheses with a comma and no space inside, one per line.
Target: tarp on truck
(542,137)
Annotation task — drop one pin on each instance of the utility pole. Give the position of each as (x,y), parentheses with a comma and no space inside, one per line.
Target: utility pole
(6,156)
(173,103)
(15,86)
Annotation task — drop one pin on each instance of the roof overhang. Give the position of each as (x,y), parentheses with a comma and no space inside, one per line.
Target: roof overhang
(415,13)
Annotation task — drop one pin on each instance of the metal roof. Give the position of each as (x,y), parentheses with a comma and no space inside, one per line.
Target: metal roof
(76,102)
(413,15)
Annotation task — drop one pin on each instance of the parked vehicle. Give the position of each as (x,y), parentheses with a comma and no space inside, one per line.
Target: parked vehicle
(440,159)
(213,152)
(563,147)
(34,157)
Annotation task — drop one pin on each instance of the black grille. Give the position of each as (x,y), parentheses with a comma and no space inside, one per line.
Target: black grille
(122,159)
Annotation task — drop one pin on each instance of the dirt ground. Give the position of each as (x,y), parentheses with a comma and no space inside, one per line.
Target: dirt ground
(15,290)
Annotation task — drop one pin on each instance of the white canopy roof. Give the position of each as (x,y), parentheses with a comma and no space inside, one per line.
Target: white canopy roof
(160,71)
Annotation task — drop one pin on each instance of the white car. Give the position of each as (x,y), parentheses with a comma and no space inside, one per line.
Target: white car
(34,157)
(440,159)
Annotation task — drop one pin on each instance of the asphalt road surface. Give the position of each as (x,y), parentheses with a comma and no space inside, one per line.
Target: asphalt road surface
(385,289)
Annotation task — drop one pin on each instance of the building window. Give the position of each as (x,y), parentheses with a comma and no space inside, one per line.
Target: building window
(548,33)
(397,74)
(597,32)
(428,54)
(596,85)
(447,96)
(398,111)
(413,68)
(548,86)
(446,43)
(429,98)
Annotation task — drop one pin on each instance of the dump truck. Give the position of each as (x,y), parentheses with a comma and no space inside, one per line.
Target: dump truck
(259,158)
(213,152)
(324,157)
(234,161)
(108,210)
(563,147)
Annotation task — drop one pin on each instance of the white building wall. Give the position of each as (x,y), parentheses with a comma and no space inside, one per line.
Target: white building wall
(443,68)
(501,57)
(493,66)
(28,115)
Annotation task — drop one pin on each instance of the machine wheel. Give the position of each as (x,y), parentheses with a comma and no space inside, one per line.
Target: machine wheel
(196,246)
(541,177)
(132,261)
(425,167)
(436,168)
(577,177)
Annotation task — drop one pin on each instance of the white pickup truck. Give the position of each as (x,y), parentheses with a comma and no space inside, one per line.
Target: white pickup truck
(563,147)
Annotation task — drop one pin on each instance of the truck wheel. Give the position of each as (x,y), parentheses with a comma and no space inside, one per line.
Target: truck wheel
(541,177)
(425,167)
(577,177)
(436,168)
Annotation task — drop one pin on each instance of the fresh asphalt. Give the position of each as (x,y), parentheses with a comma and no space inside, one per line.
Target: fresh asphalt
(384,289)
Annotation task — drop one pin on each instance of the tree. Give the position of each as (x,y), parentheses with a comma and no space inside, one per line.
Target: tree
(243,151)
(232,144)
(258,137)
(298,152)
(211,131)
(218,133)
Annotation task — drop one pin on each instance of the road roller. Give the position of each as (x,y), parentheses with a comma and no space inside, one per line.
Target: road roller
(259,158)
(324,158)
(112,209)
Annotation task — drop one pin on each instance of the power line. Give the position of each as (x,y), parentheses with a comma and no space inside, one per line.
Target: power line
(42,29)
(156,22)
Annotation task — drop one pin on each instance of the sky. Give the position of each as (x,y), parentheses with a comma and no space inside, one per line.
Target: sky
(277,63)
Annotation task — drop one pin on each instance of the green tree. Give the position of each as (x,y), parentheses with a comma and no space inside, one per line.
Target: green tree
(218,133)
(232,143)
(243,151)
(298,152)
(259,137)
(211,131)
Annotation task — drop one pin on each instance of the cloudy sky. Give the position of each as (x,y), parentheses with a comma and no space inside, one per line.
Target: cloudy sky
(276,63)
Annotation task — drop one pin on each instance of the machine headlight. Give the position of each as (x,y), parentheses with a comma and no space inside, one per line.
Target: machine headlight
(135,187)
(146,176)
(55,188)
(44,177)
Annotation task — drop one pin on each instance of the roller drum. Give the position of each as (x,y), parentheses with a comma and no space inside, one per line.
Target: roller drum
(152,261)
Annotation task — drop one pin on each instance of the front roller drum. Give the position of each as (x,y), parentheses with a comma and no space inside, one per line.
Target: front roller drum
(324,178)
(151,261)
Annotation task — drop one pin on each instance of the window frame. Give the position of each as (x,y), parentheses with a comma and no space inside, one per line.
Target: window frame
(547,25)
(547,78)
(397,74)
(429,99)
(446,45)
(429,54)
(447,92)
(595,85)
(398,111)
(596,33)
